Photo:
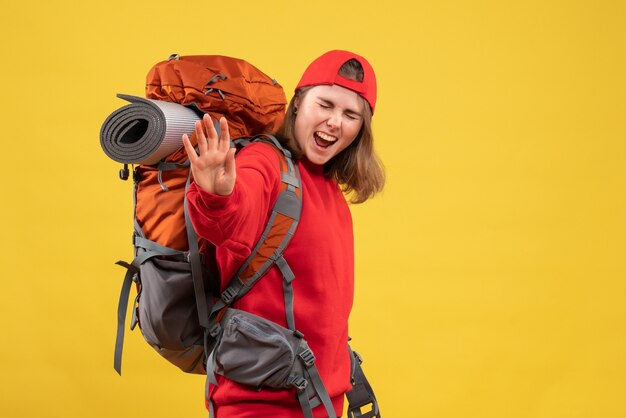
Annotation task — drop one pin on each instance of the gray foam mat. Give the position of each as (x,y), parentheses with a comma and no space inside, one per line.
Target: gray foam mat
(145,131)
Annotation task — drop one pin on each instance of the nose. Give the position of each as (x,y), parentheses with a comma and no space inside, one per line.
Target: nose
(334,121)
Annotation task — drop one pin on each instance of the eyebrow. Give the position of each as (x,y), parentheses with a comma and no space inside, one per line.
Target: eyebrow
(330,102)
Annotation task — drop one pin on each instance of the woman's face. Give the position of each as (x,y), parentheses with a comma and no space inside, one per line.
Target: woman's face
(328,119)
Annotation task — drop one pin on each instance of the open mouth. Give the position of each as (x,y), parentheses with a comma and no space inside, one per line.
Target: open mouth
(324,140)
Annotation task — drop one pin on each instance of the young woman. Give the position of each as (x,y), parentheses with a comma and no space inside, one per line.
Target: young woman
(327,128)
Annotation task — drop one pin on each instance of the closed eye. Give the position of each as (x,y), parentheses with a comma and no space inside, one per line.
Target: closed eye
(352,116)
(349,113)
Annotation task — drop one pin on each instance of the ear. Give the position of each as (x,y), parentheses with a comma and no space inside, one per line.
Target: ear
(296,102)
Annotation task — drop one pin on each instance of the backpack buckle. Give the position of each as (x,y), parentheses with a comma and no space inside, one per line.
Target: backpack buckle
(124,172)
(358,357)
(356,411)
(228,295)
(307,357)
(299,382)
(215,330)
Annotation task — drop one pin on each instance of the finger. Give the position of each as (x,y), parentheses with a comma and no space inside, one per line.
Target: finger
(202,144)
(224,143)
(191,152)
(209,128)
(229,164)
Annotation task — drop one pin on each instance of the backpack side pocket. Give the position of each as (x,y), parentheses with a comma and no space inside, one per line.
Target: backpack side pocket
(167,313)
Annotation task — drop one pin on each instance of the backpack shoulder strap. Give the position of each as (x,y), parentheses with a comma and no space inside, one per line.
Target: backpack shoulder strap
(361,397)
(278,232)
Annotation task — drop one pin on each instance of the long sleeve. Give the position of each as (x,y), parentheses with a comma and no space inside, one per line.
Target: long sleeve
(234,223)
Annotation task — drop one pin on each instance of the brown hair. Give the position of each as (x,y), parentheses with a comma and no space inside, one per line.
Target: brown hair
(357,169)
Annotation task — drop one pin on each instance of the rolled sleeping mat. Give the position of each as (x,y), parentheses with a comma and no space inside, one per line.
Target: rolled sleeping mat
(146,131)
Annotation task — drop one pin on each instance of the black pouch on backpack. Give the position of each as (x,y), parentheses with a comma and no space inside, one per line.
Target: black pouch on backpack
(257,352)
(167,312)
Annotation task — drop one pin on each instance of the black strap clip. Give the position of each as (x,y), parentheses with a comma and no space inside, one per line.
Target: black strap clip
(299,382)
(307,357)
(215,330)
(228,295)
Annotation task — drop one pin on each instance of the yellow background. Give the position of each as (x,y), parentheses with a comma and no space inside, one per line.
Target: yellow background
(490,273)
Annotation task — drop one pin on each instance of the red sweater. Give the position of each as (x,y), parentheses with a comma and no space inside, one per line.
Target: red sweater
(321,255)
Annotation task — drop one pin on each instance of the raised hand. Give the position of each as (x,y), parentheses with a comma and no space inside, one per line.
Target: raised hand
(214,169)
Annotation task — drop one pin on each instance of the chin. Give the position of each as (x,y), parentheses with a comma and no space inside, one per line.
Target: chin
(318,159)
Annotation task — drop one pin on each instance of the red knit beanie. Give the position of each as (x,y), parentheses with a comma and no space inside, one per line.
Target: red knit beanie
(324,70)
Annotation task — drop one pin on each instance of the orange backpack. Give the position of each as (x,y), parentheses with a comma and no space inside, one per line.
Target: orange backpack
(166,247)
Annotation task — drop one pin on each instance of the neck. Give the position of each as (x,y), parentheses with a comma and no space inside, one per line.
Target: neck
(311,167)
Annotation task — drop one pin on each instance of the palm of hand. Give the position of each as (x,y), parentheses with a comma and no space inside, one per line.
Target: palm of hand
(214,167)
